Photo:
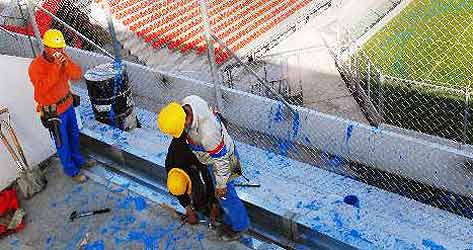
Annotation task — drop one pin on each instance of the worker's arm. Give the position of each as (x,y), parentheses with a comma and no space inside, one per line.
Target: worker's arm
(43,80)
(73,70)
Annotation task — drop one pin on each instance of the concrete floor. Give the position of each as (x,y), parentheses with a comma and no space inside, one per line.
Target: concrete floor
(134,223)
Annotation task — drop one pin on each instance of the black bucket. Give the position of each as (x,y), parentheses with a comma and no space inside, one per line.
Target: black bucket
(105,94)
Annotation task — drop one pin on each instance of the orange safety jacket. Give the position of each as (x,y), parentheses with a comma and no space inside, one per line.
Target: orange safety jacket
(51,82)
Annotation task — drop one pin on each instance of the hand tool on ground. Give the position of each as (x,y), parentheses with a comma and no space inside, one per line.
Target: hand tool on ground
(76,215)
(247,185)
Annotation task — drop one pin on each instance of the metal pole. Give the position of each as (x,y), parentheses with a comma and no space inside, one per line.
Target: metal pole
(368,81)
(211,52)
(26,21)
(75,31)
(30,7)
(251,71)
(381,96)
(466,117)
(113,34)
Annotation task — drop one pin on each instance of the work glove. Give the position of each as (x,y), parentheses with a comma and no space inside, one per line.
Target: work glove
(191,216)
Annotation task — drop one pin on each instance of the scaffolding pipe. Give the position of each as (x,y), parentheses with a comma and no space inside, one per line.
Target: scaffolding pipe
(211,53)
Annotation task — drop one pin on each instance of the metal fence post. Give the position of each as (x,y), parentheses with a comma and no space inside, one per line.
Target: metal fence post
(466,117)
(368,80)
(382,79)
(211,52)
(30,6)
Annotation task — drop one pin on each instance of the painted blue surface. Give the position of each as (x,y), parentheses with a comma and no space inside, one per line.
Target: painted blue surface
(381,219)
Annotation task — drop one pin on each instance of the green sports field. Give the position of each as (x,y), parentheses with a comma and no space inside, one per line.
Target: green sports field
(429,40)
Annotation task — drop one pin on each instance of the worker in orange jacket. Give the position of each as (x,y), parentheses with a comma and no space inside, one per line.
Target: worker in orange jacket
(50,73)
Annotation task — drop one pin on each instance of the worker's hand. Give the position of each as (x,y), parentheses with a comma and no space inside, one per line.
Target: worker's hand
(214,213)
(191,216)
(60,57)
(220,193)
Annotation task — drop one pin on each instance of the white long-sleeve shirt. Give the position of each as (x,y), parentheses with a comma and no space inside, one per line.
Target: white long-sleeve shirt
(209,140)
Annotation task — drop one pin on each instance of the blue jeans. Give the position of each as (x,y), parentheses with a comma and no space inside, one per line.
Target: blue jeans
(234,212)
(69,151)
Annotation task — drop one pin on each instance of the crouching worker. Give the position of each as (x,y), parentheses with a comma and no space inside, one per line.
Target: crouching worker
(190,181)
(210,142)
(50,74)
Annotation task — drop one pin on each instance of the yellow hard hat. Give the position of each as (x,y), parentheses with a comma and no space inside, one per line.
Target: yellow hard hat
(53,38)
(179,182)
(172,119)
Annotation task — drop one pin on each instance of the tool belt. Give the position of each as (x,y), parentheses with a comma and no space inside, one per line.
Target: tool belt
(50,120)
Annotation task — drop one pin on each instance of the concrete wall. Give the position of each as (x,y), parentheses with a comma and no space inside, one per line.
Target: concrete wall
(16,93)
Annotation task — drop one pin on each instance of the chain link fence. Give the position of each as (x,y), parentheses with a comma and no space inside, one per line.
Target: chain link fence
(284,131)
(414,72)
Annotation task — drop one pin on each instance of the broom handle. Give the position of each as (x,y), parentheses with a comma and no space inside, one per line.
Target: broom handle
(11,151)
(17,144)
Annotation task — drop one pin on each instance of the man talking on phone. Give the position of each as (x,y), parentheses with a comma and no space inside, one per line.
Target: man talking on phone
(50,74)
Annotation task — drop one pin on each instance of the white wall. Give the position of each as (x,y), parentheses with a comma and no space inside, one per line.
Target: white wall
(16,93)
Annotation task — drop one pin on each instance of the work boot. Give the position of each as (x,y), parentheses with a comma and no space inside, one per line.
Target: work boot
(88,164)
(80,178)
(227,234)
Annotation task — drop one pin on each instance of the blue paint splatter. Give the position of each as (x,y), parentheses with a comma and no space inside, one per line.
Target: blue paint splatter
(77,189)
(97,245)
(337,219)
(352,200)
(402,245)
(336,161)
(72,245)
(432,245)
(299,204)
(313,205)
(247,241)
(140,203)
(295,125)
(279,115)
(307,140)
(348,135)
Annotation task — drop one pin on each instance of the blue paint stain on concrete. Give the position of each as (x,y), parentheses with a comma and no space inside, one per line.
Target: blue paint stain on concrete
(140,203)
(337,219)
(96,245)
(430,244)
(279,114)
(78,236)
(313,205)
(357,236)
(349,133)
(295,125)
(299,204)
(352,200)
(307,140)
(336,161)
(402,245)
(77,189)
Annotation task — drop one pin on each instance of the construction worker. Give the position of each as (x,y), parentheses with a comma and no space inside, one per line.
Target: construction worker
(209,140)
(190,181)
(50,73)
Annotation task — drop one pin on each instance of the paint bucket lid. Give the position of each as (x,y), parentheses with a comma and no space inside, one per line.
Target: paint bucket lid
(104,72)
